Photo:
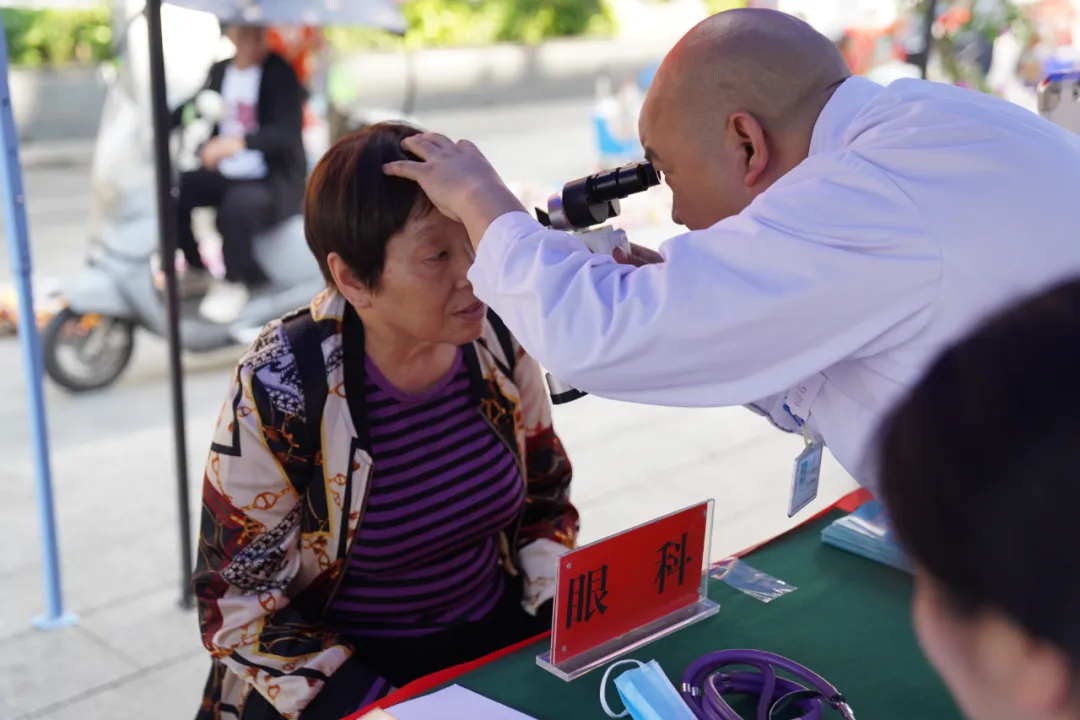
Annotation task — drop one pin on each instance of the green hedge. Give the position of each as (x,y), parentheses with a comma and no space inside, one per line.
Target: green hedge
(38,38)
(444,23)
(54,38)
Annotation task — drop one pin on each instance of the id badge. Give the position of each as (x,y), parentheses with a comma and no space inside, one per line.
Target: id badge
(805,477)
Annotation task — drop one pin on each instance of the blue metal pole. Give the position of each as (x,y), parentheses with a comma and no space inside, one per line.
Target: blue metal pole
(11,186)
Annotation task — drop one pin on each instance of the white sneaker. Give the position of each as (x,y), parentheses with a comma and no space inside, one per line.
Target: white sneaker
(224,302)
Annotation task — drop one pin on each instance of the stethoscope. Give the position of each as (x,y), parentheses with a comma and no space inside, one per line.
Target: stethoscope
(708,680)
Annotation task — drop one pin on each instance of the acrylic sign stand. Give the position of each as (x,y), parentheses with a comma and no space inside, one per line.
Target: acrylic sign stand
(622,593)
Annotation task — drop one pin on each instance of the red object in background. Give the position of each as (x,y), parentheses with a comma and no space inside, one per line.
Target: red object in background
(617,585)
(866,47)
(1054,20)
(954,18)
(297,45)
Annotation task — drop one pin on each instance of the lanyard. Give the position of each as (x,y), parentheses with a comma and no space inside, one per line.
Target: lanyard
(806,472)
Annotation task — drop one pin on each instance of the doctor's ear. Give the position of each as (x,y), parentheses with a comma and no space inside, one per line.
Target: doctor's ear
(745,133)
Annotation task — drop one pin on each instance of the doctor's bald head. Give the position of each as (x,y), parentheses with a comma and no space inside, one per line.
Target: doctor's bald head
(733,106)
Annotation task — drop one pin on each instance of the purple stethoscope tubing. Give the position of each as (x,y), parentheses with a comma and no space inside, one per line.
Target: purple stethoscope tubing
(705,683)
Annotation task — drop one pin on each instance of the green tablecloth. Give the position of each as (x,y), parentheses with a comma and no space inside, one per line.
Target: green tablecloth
(848,620)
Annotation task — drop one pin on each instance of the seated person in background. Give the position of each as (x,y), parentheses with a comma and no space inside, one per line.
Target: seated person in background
(981,475)
(385,495)
(253,168)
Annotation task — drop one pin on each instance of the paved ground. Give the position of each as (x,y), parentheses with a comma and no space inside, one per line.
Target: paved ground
(135,654)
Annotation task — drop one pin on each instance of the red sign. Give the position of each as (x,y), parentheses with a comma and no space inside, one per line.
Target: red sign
(616,585)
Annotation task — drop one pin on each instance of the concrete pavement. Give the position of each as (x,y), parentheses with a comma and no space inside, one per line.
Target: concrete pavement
(71,154)
(135,653)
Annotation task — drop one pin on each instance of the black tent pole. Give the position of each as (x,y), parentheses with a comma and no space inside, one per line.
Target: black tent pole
(928,36)
(168,231)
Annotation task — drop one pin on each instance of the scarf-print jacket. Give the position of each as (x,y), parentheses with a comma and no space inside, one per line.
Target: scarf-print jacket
(278,519)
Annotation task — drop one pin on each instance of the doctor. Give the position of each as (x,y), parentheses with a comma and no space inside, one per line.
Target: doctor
(841,234)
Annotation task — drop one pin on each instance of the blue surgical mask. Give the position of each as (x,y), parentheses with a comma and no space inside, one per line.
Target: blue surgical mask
(646,692)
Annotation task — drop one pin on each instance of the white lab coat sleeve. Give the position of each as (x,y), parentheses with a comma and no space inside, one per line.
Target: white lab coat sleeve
(820,268)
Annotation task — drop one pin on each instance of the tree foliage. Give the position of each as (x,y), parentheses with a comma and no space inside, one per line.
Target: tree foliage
(445,23)
(38,38)
(960,27)
(715,6)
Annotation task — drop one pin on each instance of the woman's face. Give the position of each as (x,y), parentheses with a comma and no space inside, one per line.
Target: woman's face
(993,669)
(424,293)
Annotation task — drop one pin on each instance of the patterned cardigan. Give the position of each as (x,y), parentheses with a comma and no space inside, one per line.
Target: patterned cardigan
(278,519)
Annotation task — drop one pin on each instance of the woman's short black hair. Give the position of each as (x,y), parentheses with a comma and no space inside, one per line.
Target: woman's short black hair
(352,208)
(980,468)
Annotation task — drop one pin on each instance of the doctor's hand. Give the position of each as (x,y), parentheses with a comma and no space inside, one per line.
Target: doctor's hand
(458,180)
(638,256)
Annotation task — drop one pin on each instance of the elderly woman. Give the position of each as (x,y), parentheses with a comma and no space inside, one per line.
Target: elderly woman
(981,473)
(385,496)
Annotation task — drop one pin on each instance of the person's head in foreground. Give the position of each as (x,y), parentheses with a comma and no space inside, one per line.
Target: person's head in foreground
(381,244)
(981,475)
(732,109)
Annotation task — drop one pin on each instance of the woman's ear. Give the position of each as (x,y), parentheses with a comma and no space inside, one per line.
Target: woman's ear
(350,287)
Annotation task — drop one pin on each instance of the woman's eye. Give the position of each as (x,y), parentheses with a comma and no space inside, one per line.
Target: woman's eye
(440,256)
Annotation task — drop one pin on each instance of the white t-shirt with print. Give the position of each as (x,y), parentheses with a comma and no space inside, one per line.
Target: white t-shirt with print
(240,96)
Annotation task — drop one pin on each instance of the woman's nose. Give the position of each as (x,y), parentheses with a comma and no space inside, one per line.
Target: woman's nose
(462,264)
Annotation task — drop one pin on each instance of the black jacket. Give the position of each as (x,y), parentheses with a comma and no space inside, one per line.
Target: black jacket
(280,134)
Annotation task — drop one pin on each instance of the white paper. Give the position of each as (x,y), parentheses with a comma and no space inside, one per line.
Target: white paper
(454,703)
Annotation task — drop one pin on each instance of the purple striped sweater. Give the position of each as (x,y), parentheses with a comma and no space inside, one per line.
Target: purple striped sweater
(444,486)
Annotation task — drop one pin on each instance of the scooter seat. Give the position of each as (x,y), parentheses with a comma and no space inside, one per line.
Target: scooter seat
(283,254)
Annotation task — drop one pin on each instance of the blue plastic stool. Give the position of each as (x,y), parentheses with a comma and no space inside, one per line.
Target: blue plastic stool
(612,150)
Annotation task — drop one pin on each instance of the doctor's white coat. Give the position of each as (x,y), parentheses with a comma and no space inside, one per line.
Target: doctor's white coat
(921,208)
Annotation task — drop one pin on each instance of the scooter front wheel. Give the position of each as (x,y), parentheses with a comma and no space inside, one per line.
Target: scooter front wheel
(86,352)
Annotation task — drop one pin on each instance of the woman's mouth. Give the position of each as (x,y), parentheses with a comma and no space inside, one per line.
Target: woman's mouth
(472,312)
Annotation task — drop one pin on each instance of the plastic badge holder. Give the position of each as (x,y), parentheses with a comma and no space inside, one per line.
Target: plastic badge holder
(758,585)
(578,665)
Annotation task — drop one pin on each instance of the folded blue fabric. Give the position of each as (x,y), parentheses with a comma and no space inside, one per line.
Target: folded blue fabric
(867,533)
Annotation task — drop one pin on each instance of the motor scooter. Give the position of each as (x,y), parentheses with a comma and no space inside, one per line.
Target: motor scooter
(89,343)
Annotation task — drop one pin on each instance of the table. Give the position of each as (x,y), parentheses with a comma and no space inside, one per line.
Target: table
(848,620)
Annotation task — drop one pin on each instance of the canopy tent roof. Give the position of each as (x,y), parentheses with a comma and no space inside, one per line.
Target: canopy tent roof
(51,4)
(379,14)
